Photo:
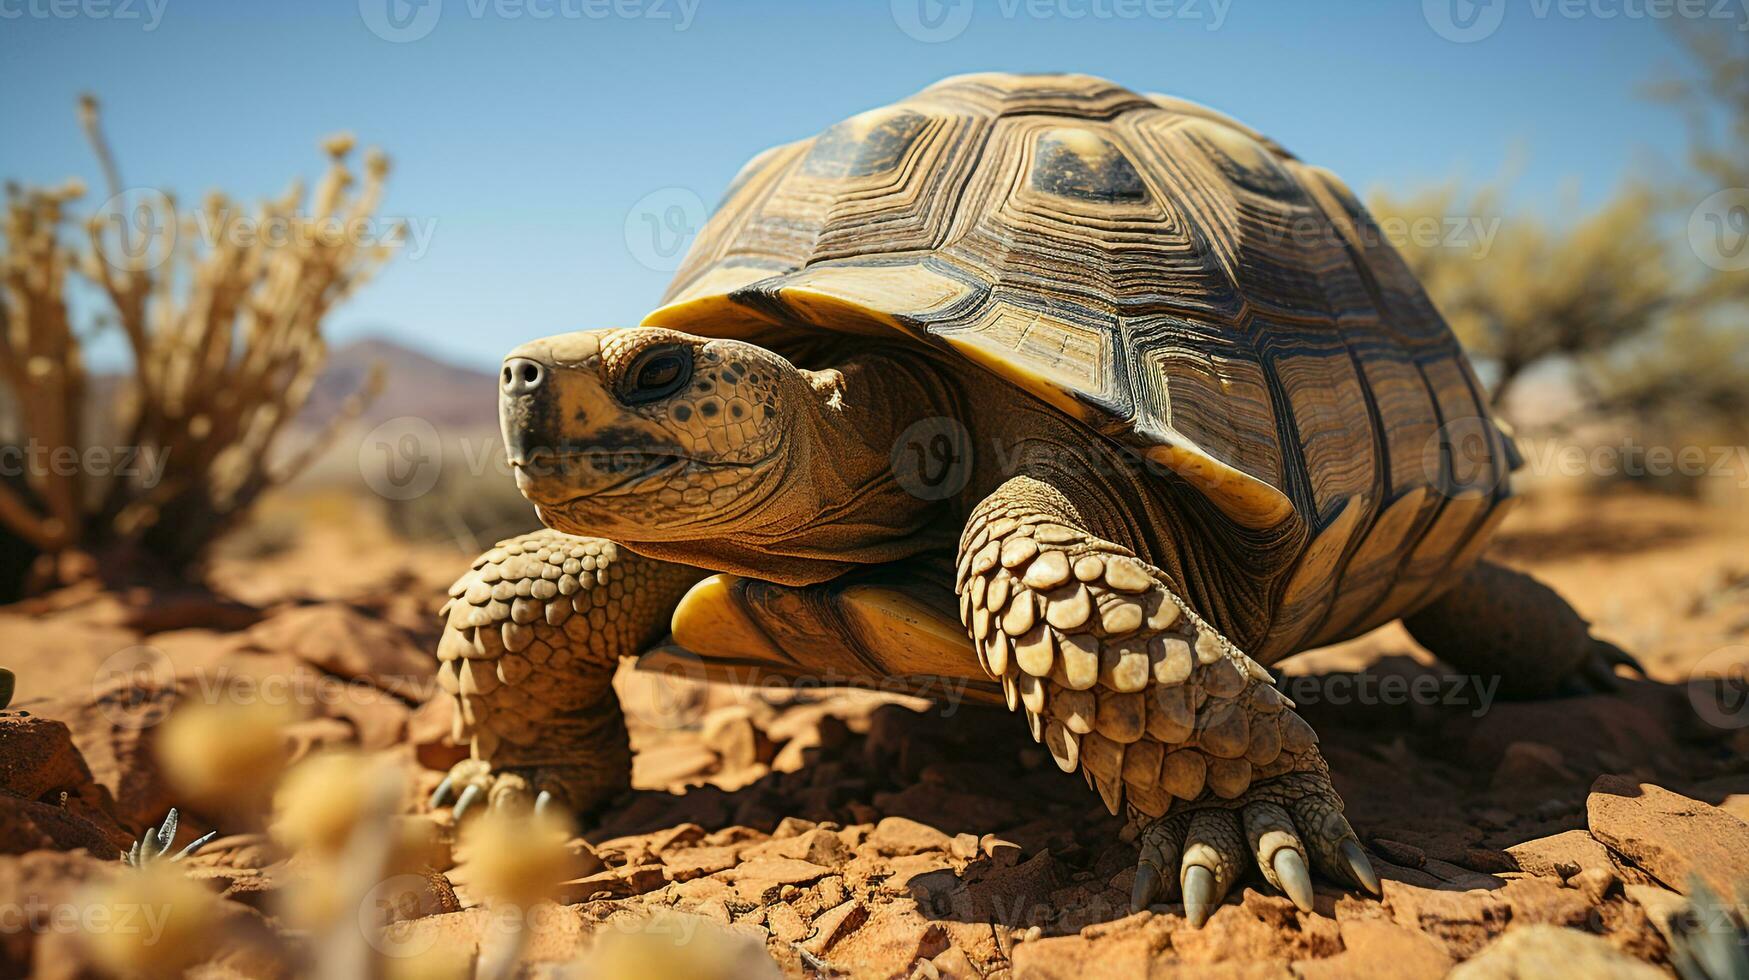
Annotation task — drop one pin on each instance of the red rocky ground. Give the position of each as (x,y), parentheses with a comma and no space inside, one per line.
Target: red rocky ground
(868,836)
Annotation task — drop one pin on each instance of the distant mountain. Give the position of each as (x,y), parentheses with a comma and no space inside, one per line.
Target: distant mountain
(449,396)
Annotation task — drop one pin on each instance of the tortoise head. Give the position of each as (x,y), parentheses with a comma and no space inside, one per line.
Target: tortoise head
(646,434)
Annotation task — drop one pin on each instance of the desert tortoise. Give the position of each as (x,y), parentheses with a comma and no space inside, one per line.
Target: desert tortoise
(1101,395)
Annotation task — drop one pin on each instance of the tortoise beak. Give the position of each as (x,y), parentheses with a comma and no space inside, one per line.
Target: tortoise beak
(541,385)
(565,433)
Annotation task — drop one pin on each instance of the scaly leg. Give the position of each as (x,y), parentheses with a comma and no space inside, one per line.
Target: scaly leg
(531,639)
(1120,678)
(1504,623)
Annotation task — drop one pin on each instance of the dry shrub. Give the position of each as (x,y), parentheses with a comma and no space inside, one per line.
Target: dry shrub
(1637,319)
(224,327)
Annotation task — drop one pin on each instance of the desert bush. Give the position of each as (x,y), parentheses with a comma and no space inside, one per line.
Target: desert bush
(1540,289)
(223,325)
(1648,327)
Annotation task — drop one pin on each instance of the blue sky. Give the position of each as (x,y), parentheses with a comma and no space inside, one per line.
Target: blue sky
(527,145)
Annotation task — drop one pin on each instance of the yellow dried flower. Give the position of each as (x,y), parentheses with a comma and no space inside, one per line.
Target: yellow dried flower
(516,858)
(339,144)
(151,922)
(376,163)
(225,755)
(323,799)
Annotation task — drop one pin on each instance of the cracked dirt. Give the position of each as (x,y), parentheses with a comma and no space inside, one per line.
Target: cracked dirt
(859,834)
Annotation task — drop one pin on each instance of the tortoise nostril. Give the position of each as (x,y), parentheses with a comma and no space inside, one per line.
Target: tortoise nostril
(521,376)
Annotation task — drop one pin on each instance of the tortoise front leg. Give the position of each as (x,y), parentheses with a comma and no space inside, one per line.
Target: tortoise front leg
(1498,622)
(1119,677)
(530,642)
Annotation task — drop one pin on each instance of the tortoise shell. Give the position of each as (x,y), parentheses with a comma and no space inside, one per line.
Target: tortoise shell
(1175,280)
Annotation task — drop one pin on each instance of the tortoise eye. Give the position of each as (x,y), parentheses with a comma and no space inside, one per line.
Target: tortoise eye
(657,373)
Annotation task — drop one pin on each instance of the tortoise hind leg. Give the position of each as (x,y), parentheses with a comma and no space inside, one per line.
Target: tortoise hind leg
(531,638)
(1502,623)
(1121,679)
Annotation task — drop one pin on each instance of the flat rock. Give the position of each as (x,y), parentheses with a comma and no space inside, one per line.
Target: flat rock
(1536,952)
(39,762)
(1077,957)
(1561,855)
(834,924)
(761,879)
(896,836)
(612,883)
(1672,837)
(817,846)
(696,862)
(1463,921)
(1379,948)
(893,938)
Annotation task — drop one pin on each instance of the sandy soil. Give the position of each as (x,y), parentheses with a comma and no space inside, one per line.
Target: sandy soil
(856,834)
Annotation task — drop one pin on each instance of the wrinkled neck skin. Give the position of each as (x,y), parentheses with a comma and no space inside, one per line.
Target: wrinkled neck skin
(831,500)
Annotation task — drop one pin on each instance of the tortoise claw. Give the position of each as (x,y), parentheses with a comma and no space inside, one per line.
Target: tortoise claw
(1295,880)
(441,794)
(1147,886)
(1199,894)
(469,797)
(1360,867)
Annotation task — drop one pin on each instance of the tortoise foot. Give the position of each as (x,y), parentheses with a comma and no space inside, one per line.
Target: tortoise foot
(1121,679)
(473,785)
(1284,826)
